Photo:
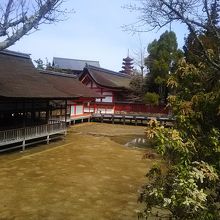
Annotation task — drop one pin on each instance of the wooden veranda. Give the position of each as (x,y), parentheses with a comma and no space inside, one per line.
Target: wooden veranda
(22,137)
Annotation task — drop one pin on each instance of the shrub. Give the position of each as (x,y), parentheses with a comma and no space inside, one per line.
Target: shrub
(151,98)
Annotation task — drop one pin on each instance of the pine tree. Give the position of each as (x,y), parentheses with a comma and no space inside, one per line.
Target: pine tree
(162,60)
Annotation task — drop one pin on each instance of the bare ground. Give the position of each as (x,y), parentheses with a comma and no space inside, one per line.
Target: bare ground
(85,177)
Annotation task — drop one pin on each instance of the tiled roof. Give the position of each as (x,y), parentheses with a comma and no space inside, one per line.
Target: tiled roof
(72,64)
(107,78)
(20,79)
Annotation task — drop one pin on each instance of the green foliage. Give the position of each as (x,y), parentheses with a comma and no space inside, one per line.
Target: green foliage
(43,65)
(189,188)
(40,63)
(151,98)
(179,192)
(163,57)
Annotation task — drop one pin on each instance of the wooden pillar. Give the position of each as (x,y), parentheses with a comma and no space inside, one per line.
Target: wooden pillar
(61,113)
(65,112)
(48,139)
(23,145)
(24,115)
(47,112)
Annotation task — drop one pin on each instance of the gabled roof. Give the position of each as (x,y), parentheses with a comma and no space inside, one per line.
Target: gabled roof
(107,78)
(20,79)
(68,84)
(72,64)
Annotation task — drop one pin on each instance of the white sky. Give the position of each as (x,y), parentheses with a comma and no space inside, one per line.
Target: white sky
(93,32)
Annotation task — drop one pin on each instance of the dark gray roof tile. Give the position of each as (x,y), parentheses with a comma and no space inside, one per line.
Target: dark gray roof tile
(72,64)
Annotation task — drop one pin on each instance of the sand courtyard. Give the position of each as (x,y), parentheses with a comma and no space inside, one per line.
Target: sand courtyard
(86,176)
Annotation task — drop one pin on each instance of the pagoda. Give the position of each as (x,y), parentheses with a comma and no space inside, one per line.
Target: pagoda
(127,65)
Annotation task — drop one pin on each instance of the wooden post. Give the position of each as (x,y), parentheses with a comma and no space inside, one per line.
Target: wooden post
(65,112)
(48,135)
(48,139)
(23,130)
(24,114)
(23,145)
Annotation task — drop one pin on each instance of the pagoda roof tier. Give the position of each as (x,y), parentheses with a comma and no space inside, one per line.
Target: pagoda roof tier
(127,59)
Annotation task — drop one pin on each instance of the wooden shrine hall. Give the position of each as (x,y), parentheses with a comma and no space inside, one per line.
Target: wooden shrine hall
(30,99)
(114,88)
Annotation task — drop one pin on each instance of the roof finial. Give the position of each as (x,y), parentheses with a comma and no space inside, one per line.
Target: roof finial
(128,52)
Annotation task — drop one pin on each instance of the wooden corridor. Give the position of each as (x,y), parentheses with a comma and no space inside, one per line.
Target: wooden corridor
(22,137)
(131,119)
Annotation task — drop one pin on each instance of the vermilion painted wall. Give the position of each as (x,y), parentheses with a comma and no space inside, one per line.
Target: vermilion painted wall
(109,105)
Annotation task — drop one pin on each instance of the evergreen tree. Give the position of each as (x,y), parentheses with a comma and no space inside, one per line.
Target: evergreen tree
(163,57)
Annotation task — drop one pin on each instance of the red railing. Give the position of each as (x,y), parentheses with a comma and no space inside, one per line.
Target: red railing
(127,108)
(143,108)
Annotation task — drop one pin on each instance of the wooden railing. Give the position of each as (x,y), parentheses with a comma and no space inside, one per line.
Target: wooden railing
(28,133)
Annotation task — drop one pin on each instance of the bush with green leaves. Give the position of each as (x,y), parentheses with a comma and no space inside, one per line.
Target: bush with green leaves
(189,188)
(151,98)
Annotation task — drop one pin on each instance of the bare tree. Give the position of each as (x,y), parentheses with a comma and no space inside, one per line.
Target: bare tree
(139,56)
(20,17)
(198,15)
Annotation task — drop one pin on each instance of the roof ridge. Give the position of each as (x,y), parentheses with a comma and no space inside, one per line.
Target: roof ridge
(75,59)
(55,73)
(15,53)
(107,71)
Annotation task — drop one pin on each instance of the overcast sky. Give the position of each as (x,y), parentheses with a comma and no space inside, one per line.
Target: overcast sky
(93,32)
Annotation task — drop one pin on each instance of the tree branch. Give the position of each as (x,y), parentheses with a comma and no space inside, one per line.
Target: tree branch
(19,18)
(189,12)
